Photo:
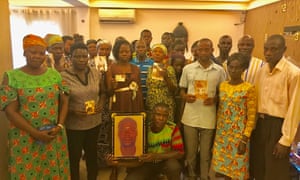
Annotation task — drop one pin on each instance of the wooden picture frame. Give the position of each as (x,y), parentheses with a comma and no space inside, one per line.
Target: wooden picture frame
(128,135)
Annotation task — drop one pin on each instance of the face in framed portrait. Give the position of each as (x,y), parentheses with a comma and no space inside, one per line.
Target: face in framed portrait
(128,135)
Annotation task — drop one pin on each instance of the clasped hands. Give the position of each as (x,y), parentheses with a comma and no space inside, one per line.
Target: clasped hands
(47,136)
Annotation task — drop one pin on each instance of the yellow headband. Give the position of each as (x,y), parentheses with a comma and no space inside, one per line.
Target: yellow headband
(52,39)
(161,46)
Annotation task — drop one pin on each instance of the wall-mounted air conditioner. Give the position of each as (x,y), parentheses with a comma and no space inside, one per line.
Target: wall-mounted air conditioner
(116,15)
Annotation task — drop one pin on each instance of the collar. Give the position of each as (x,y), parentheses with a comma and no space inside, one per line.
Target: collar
(279,66)
(212,66)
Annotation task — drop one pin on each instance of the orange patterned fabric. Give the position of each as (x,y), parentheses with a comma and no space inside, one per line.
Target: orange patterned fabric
(33,40)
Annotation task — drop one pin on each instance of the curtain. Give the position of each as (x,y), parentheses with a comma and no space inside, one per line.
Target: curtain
(39,21)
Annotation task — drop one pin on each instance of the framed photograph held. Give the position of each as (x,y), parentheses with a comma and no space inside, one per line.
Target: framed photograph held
(129,135)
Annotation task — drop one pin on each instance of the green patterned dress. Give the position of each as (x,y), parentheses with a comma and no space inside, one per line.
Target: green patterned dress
(158,92)
(38,99)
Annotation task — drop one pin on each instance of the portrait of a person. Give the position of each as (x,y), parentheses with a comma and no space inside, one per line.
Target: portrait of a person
(127,133)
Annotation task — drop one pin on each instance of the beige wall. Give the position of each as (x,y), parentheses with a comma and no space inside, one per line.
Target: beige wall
(210,24)
(6,63)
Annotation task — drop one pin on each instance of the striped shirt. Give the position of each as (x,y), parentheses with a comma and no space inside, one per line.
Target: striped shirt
(143,65)
(254,65)
(168,139)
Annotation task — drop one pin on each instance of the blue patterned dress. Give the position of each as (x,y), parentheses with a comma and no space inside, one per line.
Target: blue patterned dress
(236,117)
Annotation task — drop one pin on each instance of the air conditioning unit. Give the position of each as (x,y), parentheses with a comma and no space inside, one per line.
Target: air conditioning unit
(116,15)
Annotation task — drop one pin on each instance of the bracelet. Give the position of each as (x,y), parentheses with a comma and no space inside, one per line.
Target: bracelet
(244,142)
(60,125)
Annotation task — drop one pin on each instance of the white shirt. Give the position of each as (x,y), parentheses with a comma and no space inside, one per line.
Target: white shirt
(197,114)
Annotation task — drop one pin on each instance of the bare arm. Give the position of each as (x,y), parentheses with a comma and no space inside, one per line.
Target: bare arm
(13,114)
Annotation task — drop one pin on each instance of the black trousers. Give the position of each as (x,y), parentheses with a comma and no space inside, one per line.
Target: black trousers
(263,164)
(86,140)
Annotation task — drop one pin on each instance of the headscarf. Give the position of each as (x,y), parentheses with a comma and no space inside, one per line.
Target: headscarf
(161,46)
(33,40)
(52,39)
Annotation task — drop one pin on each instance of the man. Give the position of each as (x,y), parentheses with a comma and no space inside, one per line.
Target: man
(278,86)
(127,132)
(246,46)
(199,83)
(224,45)
(167,40)
(165,148)
(146,36)
(143,62)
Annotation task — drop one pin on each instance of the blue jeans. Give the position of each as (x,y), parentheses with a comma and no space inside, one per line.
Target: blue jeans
(194,137)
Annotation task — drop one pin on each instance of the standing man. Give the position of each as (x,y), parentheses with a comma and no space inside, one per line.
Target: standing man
(278,85)
(143,62)
(246,46)
(146,36)
(224,45)
(199,85)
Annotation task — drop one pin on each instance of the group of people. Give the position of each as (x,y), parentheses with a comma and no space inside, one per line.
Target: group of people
(234,112)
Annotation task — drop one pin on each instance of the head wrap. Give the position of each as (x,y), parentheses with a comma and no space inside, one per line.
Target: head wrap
(52,39)
(33,40)
(161,46)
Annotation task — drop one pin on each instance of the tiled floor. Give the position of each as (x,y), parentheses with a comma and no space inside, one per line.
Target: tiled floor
(104,173)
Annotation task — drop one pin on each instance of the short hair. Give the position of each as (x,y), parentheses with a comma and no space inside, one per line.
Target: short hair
(247,37)
(78,45)
(242,58)
(205,40)
(65,38)
(161,104)
(117,46)
(165,34)
(177,42)
(195,44)
(145,30)
(225,37)
(177,56)
(278,37)
(91,41)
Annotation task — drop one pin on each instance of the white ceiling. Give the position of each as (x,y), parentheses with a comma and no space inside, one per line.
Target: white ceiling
(148,4)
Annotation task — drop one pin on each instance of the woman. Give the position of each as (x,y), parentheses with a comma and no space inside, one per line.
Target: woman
(84,117)
(35,102)
(236,119)
(161,81)
(123,84)
(123,81)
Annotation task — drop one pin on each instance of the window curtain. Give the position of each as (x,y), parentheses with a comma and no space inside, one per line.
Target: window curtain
(39,21)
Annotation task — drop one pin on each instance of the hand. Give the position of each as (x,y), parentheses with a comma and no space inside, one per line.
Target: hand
(110,160)
(44,136)
(281,151)
(189,98)
(54,131)
(241,148)
(209,101)
(147,158)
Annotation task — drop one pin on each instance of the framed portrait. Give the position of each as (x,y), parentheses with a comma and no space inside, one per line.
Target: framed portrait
(129,135)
